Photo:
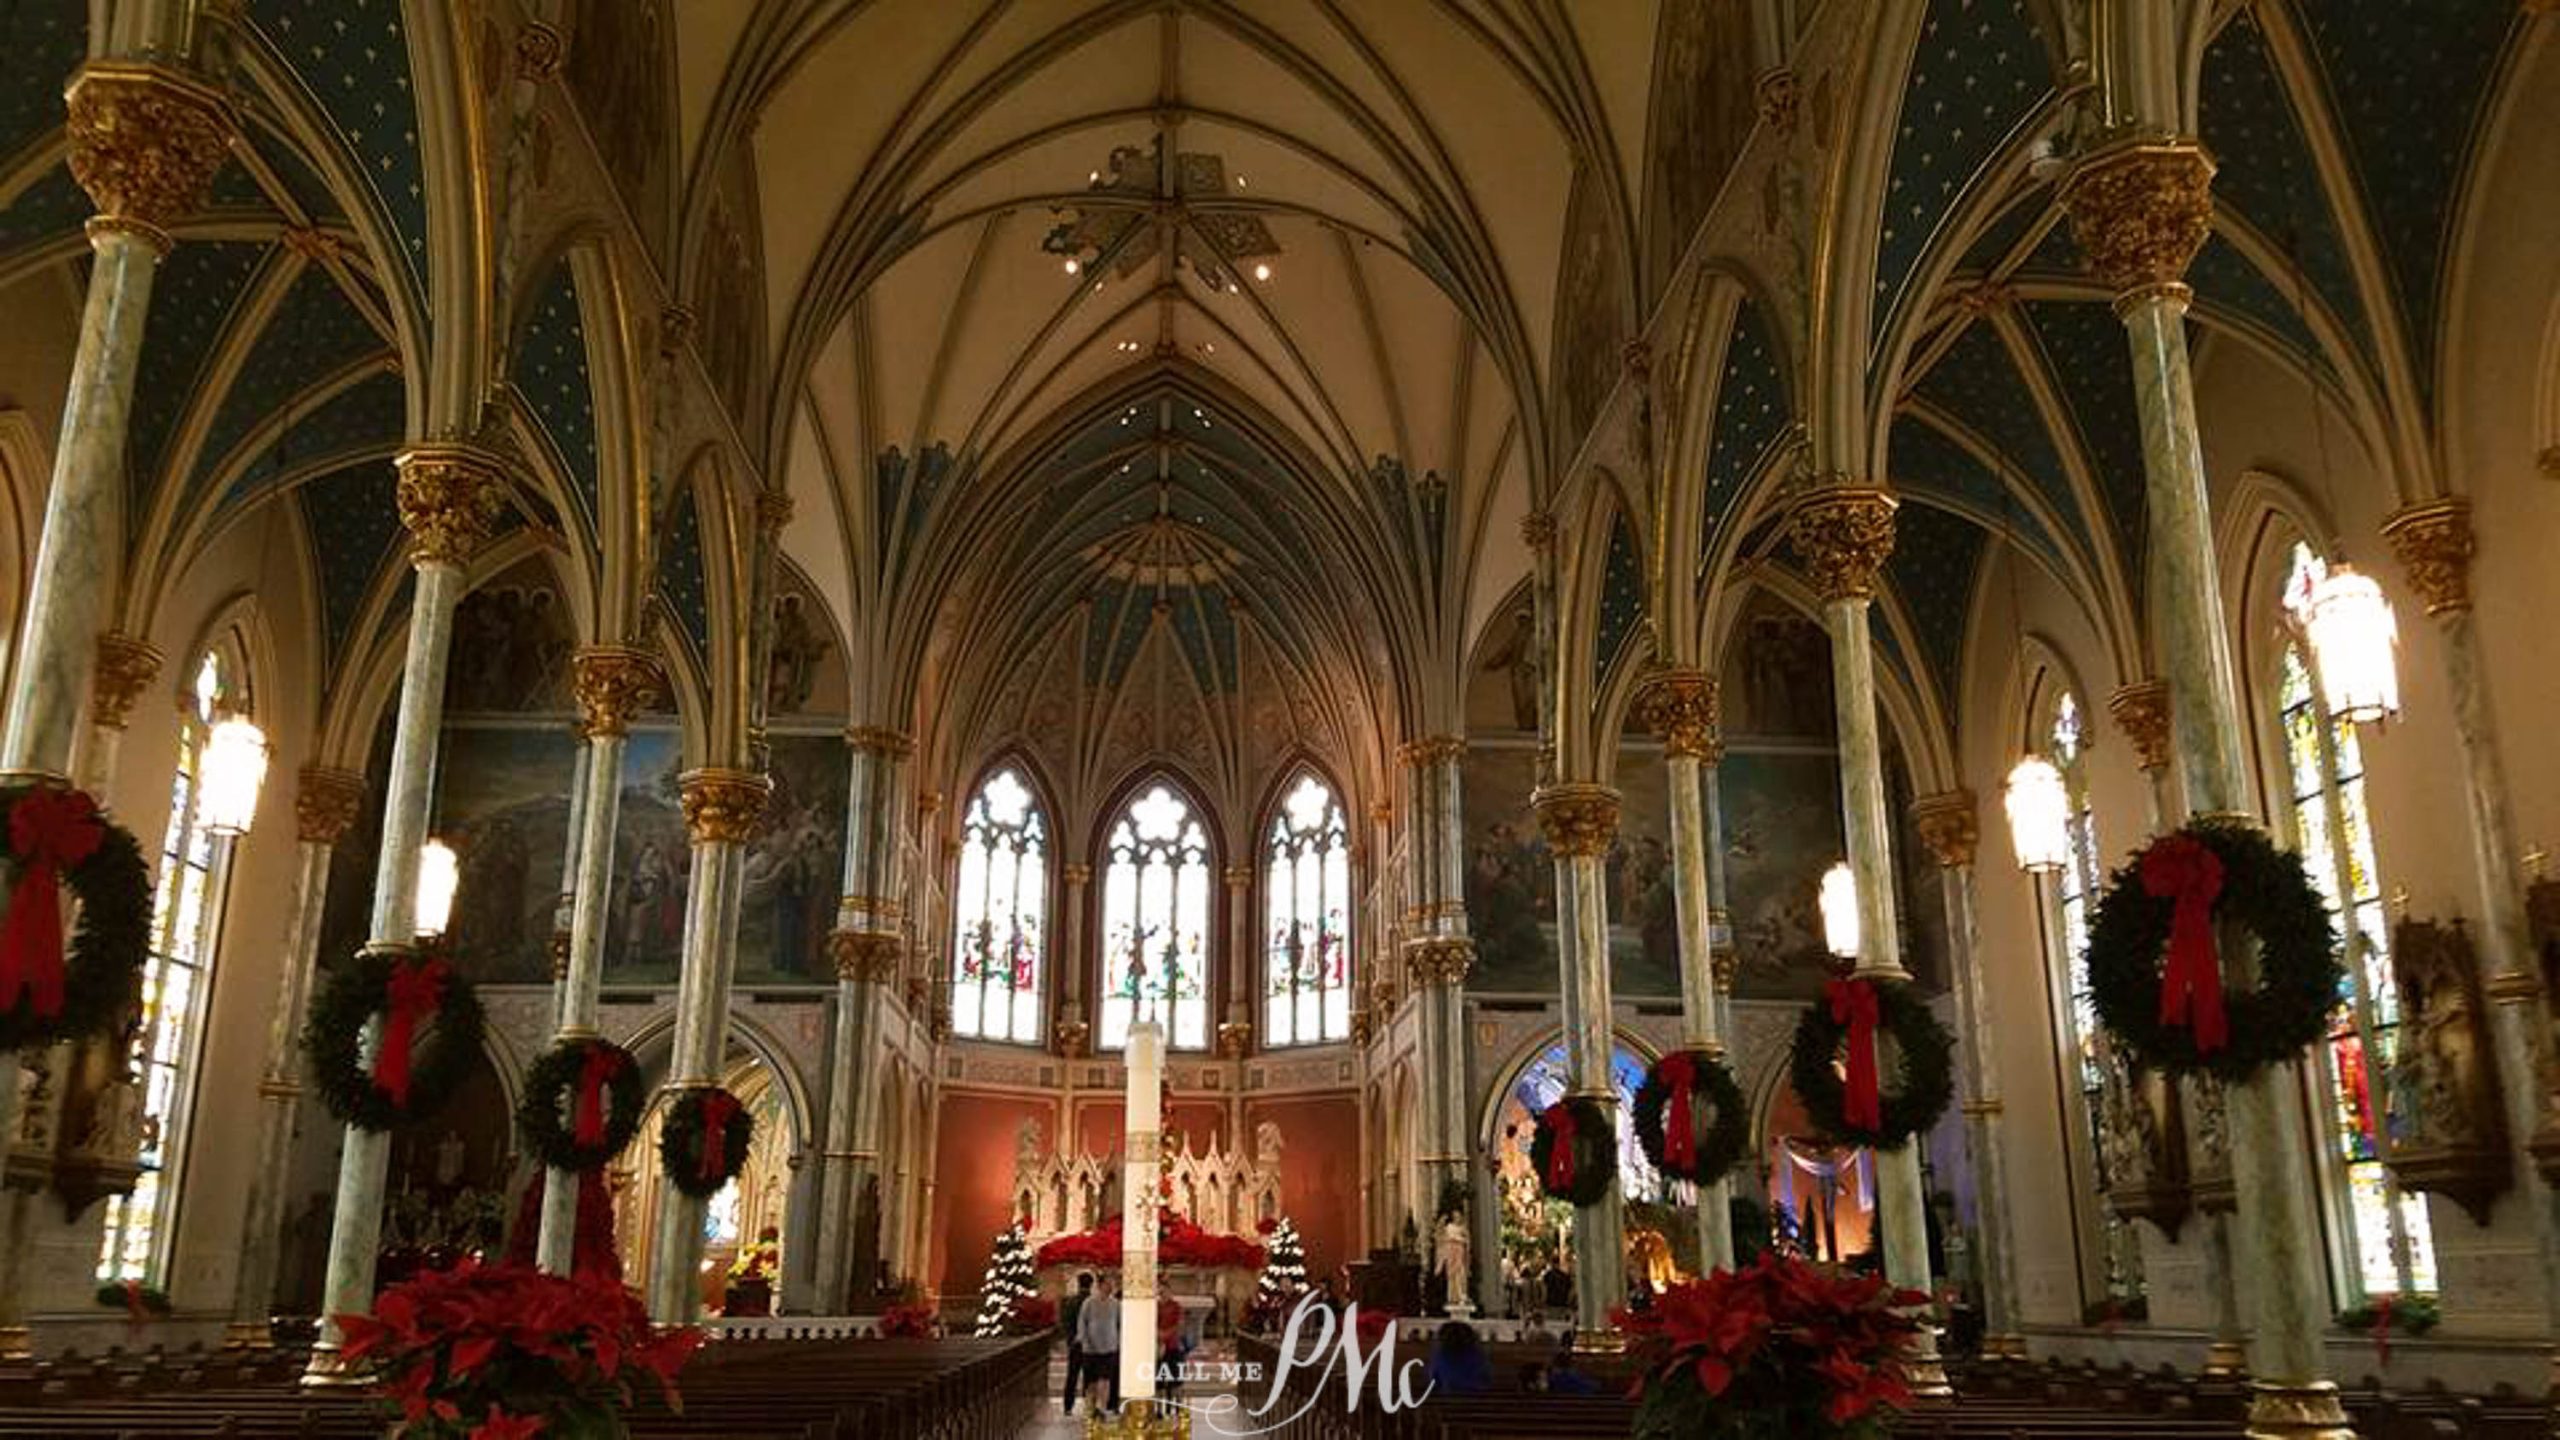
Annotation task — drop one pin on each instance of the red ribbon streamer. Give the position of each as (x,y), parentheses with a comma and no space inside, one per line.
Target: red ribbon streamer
(1560,1167)
(135,1312)
(718,1109)
(2183,869)
(1679,1137)
(49,832)
(603,1063)
(415,991)
(1853,1003)
(2382,1328)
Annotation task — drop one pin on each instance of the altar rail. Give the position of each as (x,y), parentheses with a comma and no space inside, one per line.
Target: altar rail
(748,1329)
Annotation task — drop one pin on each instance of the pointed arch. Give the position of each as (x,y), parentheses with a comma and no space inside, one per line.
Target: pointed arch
(1306,908)
(1156,859)
(1003,895)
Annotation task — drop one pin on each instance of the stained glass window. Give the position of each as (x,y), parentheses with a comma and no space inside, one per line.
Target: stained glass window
(1001,909)
(185,910)
(1155,920)
(2392,1247)
(1306,890)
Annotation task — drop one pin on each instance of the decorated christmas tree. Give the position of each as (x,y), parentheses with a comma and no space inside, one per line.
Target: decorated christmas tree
(1284,1272)
(1008,1281)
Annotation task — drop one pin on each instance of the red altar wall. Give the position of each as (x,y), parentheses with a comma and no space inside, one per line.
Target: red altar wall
(973,1178)
(1319,1172)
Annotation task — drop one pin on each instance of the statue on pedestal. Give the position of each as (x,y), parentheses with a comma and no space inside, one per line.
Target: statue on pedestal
(1457,1249)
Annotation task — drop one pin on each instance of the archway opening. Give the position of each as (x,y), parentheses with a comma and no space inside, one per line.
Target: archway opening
(1537,1232)
(743,1226)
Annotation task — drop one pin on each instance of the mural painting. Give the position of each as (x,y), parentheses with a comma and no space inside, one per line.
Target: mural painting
(1782,829)
(617,67)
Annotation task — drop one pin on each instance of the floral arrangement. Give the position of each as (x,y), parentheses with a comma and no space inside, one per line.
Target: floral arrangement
(496,1352)
(907,1320)
(760,1260)
(1178,1242)
(1782,1349)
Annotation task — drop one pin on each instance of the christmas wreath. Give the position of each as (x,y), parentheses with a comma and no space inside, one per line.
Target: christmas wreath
(1691,1117)
(703,1144)
(2156,976)
(582,1104)
(428,1041)
(1575,1150)
(1855,1107)
(57,837)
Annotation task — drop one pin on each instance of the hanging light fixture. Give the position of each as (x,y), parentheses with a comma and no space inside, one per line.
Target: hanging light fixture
(235,769)
(1840,910)
(2355,640)
(439,876)
(2039,806)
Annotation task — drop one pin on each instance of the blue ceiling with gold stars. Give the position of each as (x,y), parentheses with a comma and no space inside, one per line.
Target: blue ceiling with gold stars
(43,43)
(354,57)
(1751,413)
(551,373)
(193,297)
(1936,555)
(1621,600)
(354,530)
(683,578)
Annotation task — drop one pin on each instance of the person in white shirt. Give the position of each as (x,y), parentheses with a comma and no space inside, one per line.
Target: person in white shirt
(1098,1331)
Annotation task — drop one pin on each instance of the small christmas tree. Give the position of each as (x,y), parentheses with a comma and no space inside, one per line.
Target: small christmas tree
(1008,1281)
(1284,1272)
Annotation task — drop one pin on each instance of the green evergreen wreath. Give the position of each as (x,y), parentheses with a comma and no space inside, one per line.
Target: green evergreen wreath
(1595,1149)
(680,1142)
(357,991)
(547,1115)
(1719,1117)
(102,960)
(2267,892)
(1927,1055)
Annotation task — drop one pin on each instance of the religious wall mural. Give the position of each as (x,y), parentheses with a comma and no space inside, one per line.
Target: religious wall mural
(511,646)
(1703,110)
(617,66)
(1776,681)
(1781,812)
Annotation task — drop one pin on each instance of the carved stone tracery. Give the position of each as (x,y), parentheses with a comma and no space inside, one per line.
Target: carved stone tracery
(2444,1095)
(2434,544)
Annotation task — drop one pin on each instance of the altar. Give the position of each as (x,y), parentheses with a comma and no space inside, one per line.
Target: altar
(1213,1201)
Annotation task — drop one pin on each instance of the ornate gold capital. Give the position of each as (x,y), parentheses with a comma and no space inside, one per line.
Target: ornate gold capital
(1538,527)
(1238,876)
(721,805)
(1679,704)
(1950,824)
(2435,544)
(1076,872)
(1845,534)
(1235,1037)
(325,802)
(449,497)
(1444,960)
(2140,209)
(1577,818)
(880,740)
(871,956)
(613,683)
(1431,749)
(145,143)
(773,511)
(538,52)
(1075,1038)
(2141,710)
(126,668)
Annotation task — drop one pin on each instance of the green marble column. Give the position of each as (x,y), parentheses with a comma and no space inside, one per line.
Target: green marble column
(1579,821)
(868,946)
(1679,704)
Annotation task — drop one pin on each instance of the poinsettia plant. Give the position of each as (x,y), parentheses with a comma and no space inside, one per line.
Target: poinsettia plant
(908,1320)
(1178,1242)
(494,1352)
(1782,1349)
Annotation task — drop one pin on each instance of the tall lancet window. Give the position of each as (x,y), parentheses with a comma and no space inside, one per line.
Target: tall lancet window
(186,915)
(1306,899)
(2391,1249)
(1000,934)
(1155,920)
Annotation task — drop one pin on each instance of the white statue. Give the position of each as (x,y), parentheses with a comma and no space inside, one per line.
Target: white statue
(1456,1249)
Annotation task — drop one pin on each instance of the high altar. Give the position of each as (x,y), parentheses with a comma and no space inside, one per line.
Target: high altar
(1225,1192)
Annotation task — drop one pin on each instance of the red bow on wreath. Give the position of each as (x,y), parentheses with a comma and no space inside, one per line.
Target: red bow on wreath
(49,832)
(2183,869)
(1853,1003)
(416,989)
(1559,1120)
(2382,1328)
(603,1063)
(719,1107)
(1680,1136)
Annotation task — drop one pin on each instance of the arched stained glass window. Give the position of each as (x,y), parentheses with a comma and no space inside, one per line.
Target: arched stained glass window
(1306,902)
(1155,920)
(190,883)
(2392,1247)
(1000,934)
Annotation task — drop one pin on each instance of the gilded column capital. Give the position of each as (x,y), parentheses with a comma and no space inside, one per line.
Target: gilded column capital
(881,740)
(869,956)
(2434,543)
(145,143)
(449,496)
(1431,749)
(325,802)
(1679,703)
(1950,824)
(1443,960)
(613,683)
(1235,1037)
(2141,711)
(1578,818)
(1538,528)
(773,511)
(1845,534)
(1238,876)
(126,668)
(2141,208)
(538,52)
(1076,872)
(721,805)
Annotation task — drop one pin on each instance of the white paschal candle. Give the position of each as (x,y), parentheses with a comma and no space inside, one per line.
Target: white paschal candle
(1144,1110)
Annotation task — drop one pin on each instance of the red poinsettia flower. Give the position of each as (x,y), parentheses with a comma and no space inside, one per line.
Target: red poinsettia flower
(502,1426)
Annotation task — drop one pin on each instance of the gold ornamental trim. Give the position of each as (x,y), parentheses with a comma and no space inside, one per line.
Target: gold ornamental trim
(1146,1146)
(538,52)
(1538,528)
(1681,704)
(2141,209)
(1950,824)
(1987,1109)
(2434,543)
(720,805)
(866,956)
(2141,711)
(1444,960)
(126,667)
(881,740)
(1138,1274)
(613,683)
(1237,876)
(1235,1037)
(1578,819)
(1076,872)
(278,1090)
(2298,1412)
(1845,534)
(325,802)
(2514,987)
(146,141)
(773,510)
(449,497)
(1431,750)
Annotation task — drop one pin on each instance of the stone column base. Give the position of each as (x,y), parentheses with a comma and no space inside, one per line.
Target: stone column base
(2226,1359)
(248,1335)
(16,1344)
(2297,1412)
(2004,1348)
(327,1372)
(1138,1420)
(1599,1342)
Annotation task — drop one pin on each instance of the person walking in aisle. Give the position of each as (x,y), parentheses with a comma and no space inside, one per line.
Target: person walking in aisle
(1098,1327)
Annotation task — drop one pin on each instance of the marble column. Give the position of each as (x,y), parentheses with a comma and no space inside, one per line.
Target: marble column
(1680,705)
(1235,1032)
(869,950)
(1075,1032)
(1950,826)
(613,683)
(449,496)
(324,806)
(2434,543)
(2140,208)
(721,807)
(1438,956)
(1845,532)
(1580,820)
(564,910)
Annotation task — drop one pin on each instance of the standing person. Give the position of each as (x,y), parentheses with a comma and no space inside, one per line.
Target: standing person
(1098,1326)
(1069,1311)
